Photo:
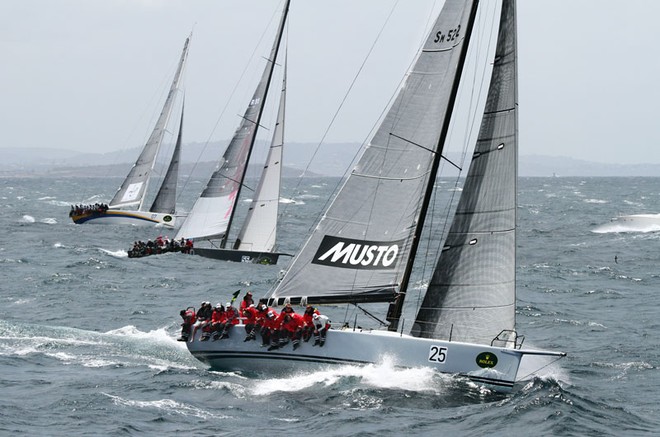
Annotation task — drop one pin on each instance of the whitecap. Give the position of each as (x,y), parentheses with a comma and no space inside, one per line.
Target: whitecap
(117,253)
(48,221)
(27,219)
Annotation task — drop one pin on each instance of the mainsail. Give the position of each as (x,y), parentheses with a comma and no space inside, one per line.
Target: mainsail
(133,189)
(362,248)
(165,201)
(213,211)
(259,230)
(471,296)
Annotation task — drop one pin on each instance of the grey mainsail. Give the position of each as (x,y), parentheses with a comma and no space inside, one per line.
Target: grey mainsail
(212,213)
(132,191)
(471,296)
(361,249)
(259,230)
(165,201)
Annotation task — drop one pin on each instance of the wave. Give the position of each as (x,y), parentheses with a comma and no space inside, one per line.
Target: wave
(123,347)
(117,253)
(168,406)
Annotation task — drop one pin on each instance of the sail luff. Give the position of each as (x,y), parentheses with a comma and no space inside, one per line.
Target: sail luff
(165,201)
(213,212)
(361,245)
(259,230)
(471,295)
(133,189)
(394,312)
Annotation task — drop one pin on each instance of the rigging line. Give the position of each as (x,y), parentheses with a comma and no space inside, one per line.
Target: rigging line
(229,99)
(334,117)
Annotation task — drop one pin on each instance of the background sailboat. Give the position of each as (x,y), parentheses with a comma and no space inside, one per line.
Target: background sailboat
(363,248)
(211,218)
(126,207)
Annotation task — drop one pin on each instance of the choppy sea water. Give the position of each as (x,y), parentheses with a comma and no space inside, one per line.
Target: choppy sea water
(87,335)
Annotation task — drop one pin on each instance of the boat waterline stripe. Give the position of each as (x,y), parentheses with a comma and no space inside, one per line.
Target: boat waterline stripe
(206,356)
(106,215)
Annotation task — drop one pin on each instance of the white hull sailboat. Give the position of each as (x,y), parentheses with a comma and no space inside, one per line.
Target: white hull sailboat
(127,206)
(361,253)
(210,221)
(631,223)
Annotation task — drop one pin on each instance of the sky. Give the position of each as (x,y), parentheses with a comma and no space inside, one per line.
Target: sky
(91,75)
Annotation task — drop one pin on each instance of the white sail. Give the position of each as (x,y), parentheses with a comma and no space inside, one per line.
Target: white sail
(260,227)
(212,213)
(132,191)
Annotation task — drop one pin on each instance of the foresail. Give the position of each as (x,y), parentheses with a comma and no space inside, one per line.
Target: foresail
(211,215)
(132,190)
(259,230)
(361,246)
(165,201)
(471,296)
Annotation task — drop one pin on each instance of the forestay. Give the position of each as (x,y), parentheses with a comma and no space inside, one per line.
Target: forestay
(360,249)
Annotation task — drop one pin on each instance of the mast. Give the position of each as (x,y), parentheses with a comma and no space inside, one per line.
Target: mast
(259,229)
(134,187)
(396,307)
(276,48)
(213,211)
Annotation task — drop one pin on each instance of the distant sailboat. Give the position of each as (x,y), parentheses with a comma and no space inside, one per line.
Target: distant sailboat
(211,217)
(363,249)
(126,207)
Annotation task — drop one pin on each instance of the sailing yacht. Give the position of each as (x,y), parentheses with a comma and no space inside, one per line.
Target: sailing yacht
(212,216)
(363,248)
(127,206)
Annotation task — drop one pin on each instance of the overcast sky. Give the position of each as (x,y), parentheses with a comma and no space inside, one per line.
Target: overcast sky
(90,75)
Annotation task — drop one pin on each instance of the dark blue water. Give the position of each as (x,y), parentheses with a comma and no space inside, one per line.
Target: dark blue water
(87,336)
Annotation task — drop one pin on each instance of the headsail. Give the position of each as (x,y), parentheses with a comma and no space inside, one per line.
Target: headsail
(471,297)
(362,246)
(133,189)
(165,201)
(259,230)
(213,211)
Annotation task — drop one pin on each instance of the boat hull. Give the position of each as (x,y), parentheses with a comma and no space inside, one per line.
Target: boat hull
(491,366)
(637,223)
(245,256)
(119,217)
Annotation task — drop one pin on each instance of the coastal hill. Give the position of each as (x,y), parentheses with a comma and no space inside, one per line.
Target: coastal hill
(329,160)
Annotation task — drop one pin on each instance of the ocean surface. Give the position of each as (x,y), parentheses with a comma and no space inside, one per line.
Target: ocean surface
(88,336)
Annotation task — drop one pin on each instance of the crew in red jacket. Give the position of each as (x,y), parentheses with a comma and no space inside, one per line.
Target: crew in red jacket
(271,329)
(250,315)
(308,322)
(217,324)
(231,319)
(291,329)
